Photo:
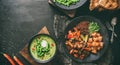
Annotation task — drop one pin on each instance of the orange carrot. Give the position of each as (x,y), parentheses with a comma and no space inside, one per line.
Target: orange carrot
(9,58)
(17,60)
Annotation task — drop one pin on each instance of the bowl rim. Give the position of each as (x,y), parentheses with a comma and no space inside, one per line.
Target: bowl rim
(29,44)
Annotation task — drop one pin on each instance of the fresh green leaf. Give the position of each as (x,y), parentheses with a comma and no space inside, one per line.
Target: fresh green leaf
(93,27)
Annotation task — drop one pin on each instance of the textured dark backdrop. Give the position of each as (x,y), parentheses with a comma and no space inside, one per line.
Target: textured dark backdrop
(21,19)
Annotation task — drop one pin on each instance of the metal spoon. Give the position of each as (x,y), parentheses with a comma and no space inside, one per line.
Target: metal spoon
(109,27)
(113,23)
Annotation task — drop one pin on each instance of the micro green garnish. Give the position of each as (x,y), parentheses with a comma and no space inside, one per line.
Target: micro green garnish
(93,27)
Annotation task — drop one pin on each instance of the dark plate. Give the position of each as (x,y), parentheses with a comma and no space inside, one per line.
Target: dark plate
(71,7)
(103,31)
(41,61)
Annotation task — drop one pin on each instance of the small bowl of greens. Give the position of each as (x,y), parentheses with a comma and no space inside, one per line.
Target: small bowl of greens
(42,48)
(68,4)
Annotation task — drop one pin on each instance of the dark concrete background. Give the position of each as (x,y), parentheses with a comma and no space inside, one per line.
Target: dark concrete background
(21,19)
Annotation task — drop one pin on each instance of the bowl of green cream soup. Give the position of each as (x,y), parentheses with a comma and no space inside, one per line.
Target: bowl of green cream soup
(42,48)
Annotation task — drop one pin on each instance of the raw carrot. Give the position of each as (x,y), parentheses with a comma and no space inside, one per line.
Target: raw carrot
(9,58)
(17,60)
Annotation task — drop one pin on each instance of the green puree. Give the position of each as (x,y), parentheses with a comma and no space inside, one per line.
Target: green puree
(42,48)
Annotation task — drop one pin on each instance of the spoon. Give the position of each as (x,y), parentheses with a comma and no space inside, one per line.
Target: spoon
(113,23)
(108,25)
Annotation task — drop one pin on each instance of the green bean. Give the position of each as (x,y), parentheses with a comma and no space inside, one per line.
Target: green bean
(66,2)
(40,54)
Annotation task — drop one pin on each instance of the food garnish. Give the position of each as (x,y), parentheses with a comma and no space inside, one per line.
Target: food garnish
(42,47)
(93,27)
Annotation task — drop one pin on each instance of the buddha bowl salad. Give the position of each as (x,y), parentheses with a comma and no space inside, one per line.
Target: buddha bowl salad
(84,39)
(42,47)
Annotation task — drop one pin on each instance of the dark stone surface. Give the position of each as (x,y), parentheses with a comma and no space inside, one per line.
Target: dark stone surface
(21,19)
(60,23)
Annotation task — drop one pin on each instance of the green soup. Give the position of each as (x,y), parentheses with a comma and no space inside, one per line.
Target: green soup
(42,47)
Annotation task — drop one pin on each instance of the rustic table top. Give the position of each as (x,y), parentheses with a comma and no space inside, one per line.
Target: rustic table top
(21,19)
